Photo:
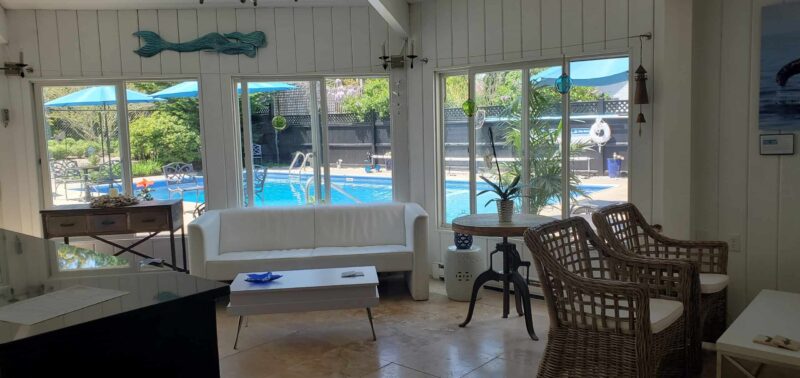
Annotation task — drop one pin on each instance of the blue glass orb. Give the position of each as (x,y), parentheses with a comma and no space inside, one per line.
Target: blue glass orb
(563,83)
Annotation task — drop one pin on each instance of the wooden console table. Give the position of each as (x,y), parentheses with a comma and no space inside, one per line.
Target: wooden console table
(149,217)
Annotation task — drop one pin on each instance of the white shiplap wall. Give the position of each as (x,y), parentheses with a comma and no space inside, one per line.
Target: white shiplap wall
(736,191)
(459,33)
(86,44)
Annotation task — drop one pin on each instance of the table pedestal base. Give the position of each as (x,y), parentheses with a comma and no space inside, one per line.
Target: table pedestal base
(510,275)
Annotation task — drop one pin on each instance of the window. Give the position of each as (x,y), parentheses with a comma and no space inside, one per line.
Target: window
(90,151)
(316,141)
(526,119)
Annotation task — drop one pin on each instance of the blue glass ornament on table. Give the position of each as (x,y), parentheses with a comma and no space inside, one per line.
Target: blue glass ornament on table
(462,241)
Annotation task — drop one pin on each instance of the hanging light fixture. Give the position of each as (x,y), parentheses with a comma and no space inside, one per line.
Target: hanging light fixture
(640,78)
(564,82)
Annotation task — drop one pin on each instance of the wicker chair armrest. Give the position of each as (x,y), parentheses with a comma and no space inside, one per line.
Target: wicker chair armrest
(709,256)
(667,279)
(600,304)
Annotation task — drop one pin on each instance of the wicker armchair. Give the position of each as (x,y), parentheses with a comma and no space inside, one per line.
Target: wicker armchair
(611,315)
(626,230)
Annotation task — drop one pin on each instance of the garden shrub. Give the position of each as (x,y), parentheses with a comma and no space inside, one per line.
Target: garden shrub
(145,168)
(164,138)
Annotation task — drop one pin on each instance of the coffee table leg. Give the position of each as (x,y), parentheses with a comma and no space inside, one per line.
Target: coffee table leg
(238,329)
(369,315)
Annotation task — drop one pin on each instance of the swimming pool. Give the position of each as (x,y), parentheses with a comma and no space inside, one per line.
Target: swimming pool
(282,189)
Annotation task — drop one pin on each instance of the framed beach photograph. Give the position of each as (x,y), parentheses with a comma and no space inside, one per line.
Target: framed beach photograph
(779,103)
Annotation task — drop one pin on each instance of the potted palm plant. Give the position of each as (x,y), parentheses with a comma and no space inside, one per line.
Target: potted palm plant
(506,194)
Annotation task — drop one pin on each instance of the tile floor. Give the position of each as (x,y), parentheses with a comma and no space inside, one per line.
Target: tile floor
(415,339)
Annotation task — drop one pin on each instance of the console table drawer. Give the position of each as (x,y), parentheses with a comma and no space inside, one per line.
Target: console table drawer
(149,221)
(108,223)
(66,225)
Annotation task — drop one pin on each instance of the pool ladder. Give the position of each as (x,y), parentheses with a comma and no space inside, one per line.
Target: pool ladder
(307,160)
(335,187)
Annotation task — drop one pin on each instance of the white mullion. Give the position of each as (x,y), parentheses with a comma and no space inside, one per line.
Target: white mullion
(248,143)
(524,137)
(124,139)
(565,143)
(473,208)
(325,158)
(315,137)
(44,153)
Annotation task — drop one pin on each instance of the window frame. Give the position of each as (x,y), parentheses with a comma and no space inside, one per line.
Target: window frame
(321,169)
(46,198)
(525,68)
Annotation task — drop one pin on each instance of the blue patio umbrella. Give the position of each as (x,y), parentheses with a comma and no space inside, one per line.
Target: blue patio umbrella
(95,96)
(588,73)
(104,96)
(189,89)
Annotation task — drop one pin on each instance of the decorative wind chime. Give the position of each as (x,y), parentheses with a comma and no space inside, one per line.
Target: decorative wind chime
(640,79)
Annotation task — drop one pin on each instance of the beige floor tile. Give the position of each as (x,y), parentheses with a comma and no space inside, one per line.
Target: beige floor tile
(397,371)
(499,367)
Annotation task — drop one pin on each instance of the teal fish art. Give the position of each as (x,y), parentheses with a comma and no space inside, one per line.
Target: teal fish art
(231,43)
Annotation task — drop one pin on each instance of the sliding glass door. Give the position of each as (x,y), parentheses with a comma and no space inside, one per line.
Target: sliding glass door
(317,141)
(569,150)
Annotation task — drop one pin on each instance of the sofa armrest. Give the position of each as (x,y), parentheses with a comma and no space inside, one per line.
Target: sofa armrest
(416,224)
(203,241)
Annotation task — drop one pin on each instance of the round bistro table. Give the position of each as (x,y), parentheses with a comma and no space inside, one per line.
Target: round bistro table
(490,225)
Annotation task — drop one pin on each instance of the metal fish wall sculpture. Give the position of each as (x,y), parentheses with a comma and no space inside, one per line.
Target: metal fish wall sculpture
(230,43)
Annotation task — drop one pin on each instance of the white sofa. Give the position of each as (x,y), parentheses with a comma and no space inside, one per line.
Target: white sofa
(392,237)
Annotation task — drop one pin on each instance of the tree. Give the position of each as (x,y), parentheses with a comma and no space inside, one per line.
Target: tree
(374,99)
(164,138)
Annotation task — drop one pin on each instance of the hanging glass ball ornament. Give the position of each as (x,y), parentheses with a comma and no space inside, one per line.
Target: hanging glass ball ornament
(563,83)
(468,107)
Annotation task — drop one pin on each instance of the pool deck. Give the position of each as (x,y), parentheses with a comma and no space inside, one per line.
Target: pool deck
(617,192)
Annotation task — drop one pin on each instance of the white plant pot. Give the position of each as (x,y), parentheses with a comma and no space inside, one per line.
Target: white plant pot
(505,210)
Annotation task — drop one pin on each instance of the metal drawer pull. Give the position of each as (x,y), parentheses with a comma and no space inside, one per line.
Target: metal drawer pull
(67,224)
(107,222)
(150,220)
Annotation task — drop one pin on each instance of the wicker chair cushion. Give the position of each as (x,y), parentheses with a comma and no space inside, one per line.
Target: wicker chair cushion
(711,283)
(663,312)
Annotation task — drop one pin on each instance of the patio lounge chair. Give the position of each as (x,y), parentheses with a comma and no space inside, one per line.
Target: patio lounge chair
(611,315)
(259,180)
(182,178)
(108,174)
(66,172)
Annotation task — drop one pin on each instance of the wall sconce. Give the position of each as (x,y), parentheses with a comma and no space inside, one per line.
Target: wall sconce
(398,61)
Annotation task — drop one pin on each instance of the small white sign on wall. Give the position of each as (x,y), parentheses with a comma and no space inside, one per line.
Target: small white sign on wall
(777,144)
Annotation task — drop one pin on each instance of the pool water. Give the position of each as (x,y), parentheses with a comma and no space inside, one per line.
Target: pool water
(282,189)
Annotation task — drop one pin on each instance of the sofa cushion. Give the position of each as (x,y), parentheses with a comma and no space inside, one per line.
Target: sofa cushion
(360,225)
(385,258)
(257,229)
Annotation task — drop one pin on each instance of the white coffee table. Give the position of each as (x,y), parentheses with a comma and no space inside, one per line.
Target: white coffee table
(770,313)
(305,290)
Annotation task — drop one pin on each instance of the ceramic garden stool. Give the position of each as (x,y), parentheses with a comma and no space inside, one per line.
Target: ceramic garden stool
(461,266)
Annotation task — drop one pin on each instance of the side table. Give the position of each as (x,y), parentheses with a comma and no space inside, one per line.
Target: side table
(461,267)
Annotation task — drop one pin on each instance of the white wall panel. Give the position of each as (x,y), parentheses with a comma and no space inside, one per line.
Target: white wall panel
(512,29)
(148,21)
(207,23)
(477,31)
(69,42)
(572,26)
(594,25)
(359,31)
(551,27)
(378,37)
(187,31)
(342,40)
(89,37)
(267,56)
(128,24)
(110,57)
(226,23)
(168,29)
(323,39)
(284,35)
(493,14)
(444,33)
(531,28)
(304,39)
(47,32)
(460,17)
(246,23)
